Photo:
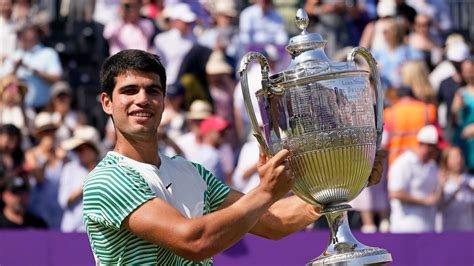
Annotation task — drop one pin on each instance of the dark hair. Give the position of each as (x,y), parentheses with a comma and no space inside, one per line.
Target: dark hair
(10,129)
(126,60)
(405,91)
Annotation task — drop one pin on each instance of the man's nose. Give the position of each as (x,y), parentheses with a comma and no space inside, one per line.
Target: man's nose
(141,97)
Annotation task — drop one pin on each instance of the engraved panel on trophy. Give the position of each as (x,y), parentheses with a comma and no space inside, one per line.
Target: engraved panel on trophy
(300,112)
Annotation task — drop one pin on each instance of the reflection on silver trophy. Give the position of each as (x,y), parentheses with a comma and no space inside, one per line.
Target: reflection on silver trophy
(323,113)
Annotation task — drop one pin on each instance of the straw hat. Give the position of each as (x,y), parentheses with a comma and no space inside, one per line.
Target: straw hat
(44,121)
(199,110)
(217,65)
(83,135)
(12,79)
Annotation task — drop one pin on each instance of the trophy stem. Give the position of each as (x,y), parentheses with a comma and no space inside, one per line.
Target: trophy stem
(344,248)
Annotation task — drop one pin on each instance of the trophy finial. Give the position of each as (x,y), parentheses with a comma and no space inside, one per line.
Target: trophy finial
(302,20)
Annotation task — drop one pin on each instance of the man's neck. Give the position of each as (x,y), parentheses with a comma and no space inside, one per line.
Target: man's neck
(141,151)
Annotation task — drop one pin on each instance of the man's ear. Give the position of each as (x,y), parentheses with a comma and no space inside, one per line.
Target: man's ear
(106,102)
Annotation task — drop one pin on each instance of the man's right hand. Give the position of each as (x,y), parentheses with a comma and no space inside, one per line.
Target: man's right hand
(276,177)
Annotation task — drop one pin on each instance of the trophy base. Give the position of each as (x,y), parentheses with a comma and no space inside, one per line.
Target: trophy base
(344,249)
(369,256)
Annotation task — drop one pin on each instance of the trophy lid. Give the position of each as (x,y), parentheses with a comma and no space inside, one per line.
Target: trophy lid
(306,41)
(308,56)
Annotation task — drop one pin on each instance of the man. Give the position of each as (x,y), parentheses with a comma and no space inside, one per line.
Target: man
(413,186)
(34,63)
(174,44)
(403,121)
(85,144)
(130,31)
(447,92)
(260,24)
(141,207)
(15,197)
(7,29)
(211,137)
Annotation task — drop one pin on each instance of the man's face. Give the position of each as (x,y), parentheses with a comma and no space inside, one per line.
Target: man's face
(86,154)
(130,10)
(428,151)
(16,201)
(5,7)
(467,72)
(136,105)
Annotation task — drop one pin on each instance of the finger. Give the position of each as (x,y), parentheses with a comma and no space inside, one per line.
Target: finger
(280,157)
(285,170)
(262,156)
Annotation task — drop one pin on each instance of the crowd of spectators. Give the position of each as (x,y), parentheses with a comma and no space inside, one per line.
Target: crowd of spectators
(53,131)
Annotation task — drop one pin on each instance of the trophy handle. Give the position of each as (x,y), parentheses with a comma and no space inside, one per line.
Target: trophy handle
(246,60)
(378,87)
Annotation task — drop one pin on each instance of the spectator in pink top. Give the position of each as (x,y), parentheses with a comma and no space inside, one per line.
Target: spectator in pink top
(131,31)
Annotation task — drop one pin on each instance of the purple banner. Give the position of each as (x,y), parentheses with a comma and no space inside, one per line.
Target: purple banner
(54,248)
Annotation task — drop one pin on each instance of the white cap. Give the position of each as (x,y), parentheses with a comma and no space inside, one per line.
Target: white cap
(225,7)
(457,52)
(386,8)
(428,135)
(180,11)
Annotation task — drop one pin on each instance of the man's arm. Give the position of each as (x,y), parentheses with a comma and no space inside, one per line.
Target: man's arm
(283,218)
(196,239)
(409,199)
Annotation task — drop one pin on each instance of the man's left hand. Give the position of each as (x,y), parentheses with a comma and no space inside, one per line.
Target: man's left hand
(377,170)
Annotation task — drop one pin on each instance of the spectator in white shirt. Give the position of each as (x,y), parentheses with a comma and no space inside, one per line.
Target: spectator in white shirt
(413,186)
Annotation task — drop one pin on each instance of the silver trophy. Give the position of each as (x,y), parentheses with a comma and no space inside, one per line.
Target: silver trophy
(323,113)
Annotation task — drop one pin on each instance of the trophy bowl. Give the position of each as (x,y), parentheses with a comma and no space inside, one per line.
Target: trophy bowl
(323,113)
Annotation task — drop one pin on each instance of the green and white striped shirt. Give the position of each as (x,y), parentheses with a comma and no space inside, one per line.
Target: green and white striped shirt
(118,185)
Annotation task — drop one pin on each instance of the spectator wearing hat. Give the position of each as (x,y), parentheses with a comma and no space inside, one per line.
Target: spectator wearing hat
(45,162)
(39,66)
(463,109)
(12,109)
(173,44)
(223,35)
(198,111)
(130,31)
(372,36)
(14,214)
(64,116)
(413,186)
(455,52)
(85,144)
(221,85)
(403,120)
(211,136)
